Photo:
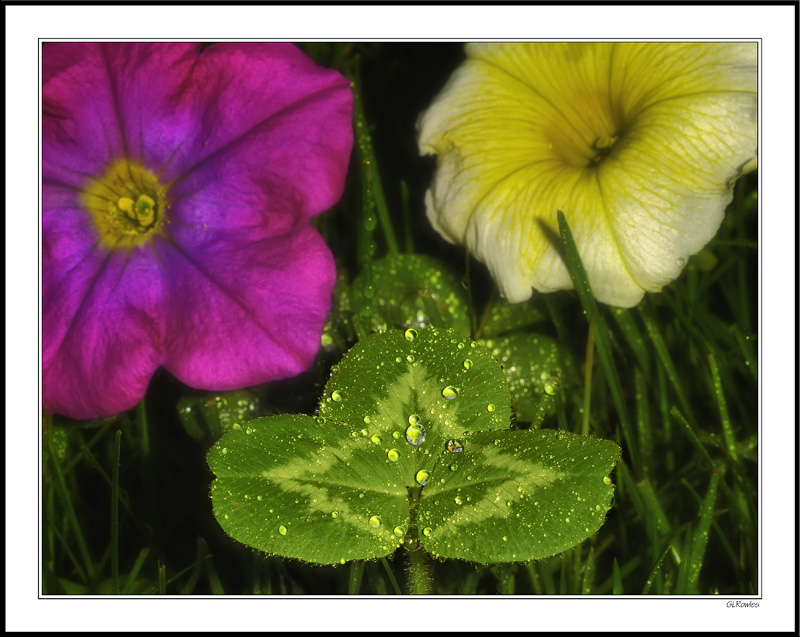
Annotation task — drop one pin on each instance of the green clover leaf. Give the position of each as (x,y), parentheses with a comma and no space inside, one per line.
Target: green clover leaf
(412,445)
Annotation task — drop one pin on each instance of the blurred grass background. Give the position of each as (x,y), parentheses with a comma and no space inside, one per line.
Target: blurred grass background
(125,501)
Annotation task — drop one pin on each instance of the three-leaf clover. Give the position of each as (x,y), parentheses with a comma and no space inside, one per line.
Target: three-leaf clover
(411,446)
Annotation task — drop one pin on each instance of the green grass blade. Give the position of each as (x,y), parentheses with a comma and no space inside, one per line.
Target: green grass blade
(618,589)
(162,578)
(653,507)
(643,424)
(66,502)
(115,515)
(633,336)
(135,570)
(700,539)
(374,200)
(666,360)
(745,346)
(691,435)
(652,577)
(407,225)
(581,282)
(390,575)
(69,553)
(727,429)
(356,575)
(587,381)
(536,579)
(588,573)
(213,578)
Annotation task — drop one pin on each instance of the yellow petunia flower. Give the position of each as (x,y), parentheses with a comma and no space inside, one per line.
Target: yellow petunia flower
(639,145)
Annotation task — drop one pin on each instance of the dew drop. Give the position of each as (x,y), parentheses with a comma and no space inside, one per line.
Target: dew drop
(396,435)
(427,531)
(410,358)
(336,396)
(374,521)
(455,446)
(367,420)
(399,531)
(467,364)
(461,346)
(606,480)
(453,467)
(449,392)
(422,476)
(413,419)
(490,407)
(393,455)
(551,385)
(282,530)
(411,334)
(377,439)
(415,434)
(458,499)
(321,420)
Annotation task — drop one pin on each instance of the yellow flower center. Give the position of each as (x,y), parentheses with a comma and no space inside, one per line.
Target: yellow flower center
(585,130)
(127,205)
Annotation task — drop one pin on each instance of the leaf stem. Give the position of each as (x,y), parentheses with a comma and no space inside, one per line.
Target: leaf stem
(419,572)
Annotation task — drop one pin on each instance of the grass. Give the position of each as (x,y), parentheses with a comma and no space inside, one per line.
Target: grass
(125,504)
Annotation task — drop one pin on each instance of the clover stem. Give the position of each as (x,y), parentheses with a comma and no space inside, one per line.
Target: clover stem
(419,572)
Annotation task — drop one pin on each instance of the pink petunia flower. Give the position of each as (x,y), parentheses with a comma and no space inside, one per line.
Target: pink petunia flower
(177,187)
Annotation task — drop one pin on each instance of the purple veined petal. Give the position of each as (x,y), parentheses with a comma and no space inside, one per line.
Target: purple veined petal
(178,106)
(102,333)
(257,305)
(294,163)
(80,123)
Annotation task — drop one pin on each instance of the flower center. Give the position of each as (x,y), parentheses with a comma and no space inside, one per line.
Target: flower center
(127,204)
(585,129)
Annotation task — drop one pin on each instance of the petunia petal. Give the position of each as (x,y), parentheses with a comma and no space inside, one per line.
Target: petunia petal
(180,106)
(80,121)
(257,305)
(293,163)
(104,331)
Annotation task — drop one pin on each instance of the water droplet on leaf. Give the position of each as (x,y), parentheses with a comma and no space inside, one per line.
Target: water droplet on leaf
(415,434)
(450,392)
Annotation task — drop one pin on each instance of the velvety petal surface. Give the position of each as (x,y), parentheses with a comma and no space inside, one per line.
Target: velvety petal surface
(249,140)
(103,328)
(256,305)
(637,143)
